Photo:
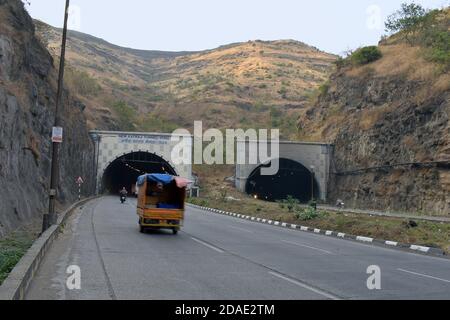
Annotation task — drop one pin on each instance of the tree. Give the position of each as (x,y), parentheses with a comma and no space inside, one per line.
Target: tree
(408,19)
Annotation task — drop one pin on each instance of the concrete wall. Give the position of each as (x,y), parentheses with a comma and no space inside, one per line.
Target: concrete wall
(307,154)
(110,146)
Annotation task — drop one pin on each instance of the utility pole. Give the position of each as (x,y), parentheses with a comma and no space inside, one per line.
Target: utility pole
(50,218)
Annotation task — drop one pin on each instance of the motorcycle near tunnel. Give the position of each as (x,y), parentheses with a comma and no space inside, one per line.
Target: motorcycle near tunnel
(123,172)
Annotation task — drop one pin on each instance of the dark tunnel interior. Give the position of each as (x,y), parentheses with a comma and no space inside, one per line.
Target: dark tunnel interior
(293,179)
(124,171)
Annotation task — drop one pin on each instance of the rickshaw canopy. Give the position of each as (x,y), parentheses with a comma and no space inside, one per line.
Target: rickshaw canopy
(165,179)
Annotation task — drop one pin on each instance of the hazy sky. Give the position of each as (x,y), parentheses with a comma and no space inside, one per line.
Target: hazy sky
(176,25)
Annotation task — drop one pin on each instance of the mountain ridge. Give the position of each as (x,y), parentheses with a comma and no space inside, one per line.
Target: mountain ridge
(250,84)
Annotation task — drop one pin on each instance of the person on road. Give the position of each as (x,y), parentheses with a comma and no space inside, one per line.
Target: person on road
(123,195)
(124,192)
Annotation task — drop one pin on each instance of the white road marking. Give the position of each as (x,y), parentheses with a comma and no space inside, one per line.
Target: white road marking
(241,229)
(320,292)
(424,275)
(207,245)
(309,247)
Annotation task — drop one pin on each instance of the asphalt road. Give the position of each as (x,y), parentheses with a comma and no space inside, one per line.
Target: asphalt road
(220,257)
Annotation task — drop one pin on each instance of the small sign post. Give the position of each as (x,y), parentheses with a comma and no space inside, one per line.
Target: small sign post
(79,183)
(57,135)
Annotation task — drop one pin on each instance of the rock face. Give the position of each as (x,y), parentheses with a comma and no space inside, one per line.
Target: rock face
(390,119)
(27,102)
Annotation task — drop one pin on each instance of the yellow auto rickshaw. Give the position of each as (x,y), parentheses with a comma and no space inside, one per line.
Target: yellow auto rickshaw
(161,202)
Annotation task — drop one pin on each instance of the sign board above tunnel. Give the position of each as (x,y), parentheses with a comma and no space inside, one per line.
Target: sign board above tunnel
(143,139)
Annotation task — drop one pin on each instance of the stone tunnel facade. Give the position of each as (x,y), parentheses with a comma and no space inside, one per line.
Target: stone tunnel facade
(110,146)
(313,156)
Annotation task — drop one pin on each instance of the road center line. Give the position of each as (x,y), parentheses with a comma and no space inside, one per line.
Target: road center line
(424,275)
(309,247)
(207,245)
(305,286)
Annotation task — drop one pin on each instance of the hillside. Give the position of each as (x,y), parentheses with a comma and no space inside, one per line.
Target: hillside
(253,84)
(385,114)
(27,103)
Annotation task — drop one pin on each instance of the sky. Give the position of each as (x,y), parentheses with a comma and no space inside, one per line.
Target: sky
(334,26)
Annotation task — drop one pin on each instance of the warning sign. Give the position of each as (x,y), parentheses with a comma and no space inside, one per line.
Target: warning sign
(57,135)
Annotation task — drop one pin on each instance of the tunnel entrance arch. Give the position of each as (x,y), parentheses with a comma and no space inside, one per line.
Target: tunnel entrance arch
(293,179)
(113,149)
(312,156)
(124,171)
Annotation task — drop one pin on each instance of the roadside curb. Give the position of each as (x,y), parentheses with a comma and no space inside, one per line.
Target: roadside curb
(385,243)
(18,281)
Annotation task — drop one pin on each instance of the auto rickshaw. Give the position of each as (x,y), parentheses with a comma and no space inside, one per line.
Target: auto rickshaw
(161,202)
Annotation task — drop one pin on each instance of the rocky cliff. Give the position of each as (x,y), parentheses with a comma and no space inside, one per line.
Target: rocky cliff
(27,102)
(389,121)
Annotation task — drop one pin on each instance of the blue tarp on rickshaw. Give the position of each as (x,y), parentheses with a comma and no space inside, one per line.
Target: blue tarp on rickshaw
(155,177)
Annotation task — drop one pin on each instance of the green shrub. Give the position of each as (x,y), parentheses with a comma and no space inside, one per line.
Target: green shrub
(365,55)
(307,214)
(11,251)
(323,89)
(290,203)
(126,115)
(435,38)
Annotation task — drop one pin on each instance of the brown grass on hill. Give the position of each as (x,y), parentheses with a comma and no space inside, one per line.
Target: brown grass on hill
(228,87)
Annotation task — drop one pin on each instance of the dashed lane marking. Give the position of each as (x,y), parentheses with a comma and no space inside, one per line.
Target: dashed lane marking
(424,275)
(305,286)
(207,245)
(305,246)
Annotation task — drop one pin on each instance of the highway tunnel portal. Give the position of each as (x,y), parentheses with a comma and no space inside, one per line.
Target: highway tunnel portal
(121,157)
(304,170)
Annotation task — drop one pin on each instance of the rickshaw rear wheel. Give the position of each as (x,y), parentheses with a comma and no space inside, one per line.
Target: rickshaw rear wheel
(141,229)
(175,231)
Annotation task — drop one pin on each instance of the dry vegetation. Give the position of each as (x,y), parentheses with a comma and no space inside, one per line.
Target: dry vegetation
(238,85)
